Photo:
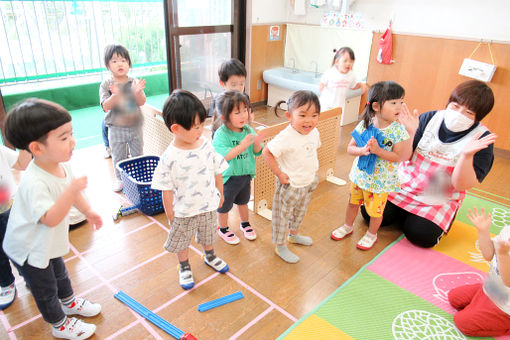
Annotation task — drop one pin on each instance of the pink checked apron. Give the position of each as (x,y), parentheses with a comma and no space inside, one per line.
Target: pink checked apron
(426,188)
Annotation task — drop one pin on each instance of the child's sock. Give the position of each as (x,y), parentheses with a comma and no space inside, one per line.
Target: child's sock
(210,255)
(224,230)
(300,239)
(59,324)
(245,225)
(184,265)
(68,302)
(286,254)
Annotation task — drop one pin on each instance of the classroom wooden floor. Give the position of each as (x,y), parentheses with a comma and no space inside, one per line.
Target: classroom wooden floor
(129,256)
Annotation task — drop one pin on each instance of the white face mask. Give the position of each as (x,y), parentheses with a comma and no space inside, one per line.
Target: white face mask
(456,121)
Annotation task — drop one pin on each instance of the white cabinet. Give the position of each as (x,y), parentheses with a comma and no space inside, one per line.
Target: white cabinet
(350,113)
(277,93)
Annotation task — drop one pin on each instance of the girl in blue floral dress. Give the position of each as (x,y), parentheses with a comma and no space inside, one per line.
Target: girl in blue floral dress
(387,121)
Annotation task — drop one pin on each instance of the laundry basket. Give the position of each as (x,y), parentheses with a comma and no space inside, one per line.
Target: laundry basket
(136,174)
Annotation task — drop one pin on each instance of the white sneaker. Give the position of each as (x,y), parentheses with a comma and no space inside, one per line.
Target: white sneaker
(367,241)
(186,279)
(7,295)
(117,185)
(74,329)
(217,264)
(341,232)
(107,152)
(82,307)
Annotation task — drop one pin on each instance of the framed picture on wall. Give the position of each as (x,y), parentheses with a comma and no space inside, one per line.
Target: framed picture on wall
(274,33)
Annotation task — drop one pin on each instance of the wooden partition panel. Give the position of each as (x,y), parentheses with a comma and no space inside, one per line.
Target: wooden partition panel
(428,70)
(265,55)
(329,129)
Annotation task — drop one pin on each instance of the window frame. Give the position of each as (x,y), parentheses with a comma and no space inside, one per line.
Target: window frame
(173,32)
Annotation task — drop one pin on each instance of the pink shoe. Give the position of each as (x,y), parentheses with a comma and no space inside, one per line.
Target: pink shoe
(229,236)
(249,233)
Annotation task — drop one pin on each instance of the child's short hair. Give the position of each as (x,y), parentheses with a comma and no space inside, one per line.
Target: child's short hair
(110,50)
(181,108)
(229,68)
(475,95)
(298,99)
(32,120)
(341,51)
(380,92)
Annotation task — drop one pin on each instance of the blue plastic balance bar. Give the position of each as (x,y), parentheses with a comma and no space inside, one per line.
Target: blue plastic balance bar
(154,318)
(220,301)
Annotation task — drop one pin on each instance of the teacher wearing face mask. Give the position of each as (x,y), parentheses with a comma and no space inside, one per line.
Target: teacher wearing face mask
(452,152)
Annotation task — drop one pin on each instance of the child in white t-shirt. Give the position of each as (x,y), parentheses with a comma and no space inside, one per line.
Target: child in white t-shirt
(484,308)
(9,159)
(190,175)
(37,235)
(338,79)
(292,157)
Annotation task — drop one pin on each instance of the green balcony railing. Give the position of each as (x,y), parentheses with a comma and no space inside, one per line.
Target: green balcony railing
(43,40)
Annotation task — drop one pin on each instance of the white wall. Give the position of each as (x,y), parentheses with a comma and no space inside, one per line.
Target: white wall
(471,19)
(465,19)
(306,44)
(269,11)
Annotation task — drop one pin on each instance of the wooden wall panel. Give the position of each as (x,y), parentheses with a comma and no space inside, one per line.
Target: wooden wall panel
(428,70)
(265,54)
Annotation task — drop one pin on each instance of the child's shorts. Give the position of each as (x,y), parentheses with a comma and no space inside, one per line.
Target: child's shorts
(374,202)
(236,190)
(182,229)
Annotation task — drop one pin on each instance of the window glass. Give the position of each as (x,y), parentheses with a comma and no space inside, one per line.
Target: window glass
(201,56)
(204,12)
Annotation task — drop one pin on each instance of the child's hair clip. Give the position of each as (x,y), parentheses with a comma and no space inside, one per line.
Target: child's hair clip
(368,102)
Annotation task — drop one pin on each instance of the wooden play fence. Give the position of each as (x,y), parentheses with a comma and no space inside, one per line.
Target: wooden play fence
(264,184)
(157,137)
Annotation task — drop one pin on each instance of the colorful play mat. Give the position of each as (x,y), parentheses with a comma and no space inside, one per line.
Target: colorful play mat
(402,293)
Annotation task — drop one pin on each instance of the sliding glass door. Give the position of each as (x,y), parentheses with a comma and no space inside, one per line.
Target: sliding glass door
(201,34)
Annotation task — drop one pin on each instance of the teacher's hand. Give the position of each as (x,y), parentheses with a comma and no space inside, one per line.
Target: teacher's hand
(476,144)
